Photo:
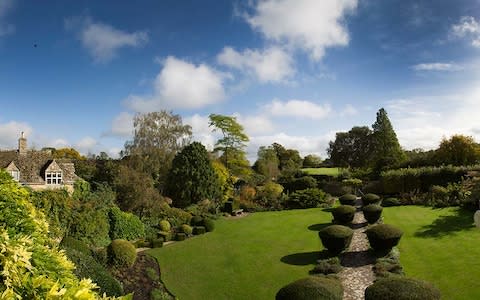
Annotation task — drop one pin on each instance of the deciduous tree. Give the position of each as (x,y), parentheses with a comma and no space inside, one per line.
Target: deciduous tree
(458,150)
(351,149)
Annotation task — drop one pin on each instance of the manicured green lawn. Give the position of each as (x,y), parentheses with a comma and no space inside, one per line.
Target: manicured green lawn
(253,257)
(323,171)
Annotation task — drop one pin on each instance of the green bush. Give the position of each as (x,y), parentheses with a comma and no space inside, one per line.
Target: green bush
(199,230)
(141,243)
(370,199)
(100,255)
(166,236)
(391,202)
(401,288)
(124,225)
(372,213)
(383,237)
(157,243)
(121,253)
(312,288)
(209,224)
(308,198)
(348,199)
(196,221)
(71,243)
(180,236)
(165,226)
(187,229)
(343,214)
(327,266)
(386,267)
(336,238)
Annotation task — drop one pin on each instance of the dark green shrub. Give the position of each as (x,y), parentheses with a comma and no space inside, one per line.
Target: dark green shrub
(372,213)
(187,229)
(348,199)
(336,238)
(386,267)
(209,224)
(401,288)
(157,243)
(141,243)
(308,198)
(100,255)
(343,214)
(198,230)
(164,226)
(383,237)
(327,266)
(180,236)
(391,202)
(370,199)
(166,236)
(121,253)
(196,221)
(312,288)
(71,243)
(125,226)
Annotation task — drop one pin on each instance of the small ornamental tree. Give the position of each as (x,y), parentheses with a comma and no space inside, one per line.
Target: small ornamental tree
(192,177)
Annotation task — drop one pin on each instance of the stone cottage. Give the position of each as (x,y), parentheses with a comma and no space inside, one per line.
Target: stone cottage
(38,169)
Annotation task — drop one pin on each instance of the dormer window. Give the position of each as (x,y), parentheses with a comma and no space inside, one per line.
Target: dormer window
(15,175)
(53,177)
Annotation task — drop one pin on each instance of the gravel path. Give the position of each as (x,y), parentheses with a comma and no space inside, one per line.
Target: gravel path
(357,273)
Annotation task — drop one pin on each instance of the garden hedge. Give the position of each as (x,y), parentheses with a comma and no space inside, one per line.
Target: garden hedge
(312,288)
(343,214)
(372,213)
(401,288)
(336,238)
(383,237)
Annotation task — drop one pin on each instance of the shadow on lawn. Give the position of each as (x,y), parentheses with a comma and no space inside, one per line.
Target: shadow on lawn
(304,258)
(447,225)
(318,227)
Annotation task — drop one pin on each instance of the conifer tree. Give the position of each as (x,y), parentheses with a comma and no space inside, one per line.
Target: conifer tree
(386,148)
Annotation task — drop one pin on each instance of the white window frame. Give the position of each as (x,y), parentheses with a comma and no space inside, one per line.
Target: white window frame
(15,174)
(53,177)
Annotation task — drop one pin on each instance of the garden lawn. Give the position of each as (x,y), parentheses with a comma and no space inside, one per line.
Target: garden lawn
(440,246)
(245,258)
(322,171)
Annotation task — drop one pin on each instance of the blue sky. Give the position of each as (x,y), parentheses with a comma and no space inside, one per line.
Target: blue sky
(292,71)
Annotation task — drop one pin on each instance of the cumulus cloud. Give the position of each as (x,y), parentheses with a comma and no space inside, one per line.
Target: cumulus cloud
(348,110)
(310,25)
(437,67)
(467,27)
(86,144)
(6,6)
(181,84)
(103,41)
(298,108)
(10,132)
(270,65)
(122,125)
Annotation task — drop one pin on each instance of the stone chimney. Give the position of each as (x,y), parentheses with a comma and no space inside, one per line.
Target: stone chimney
(22,145)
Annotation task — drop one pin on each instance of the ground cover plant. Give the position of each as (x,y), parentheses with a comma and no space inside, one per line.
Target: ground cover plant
(323,171)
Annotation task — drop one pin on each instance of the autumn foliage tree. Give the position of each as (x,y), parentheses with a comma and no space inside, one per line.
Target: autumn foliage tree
(458,150)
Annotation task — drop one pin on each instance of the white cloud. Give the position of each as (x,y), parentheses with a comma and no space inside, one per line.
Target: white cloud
(311,25)
(201,132)
(181,84)
(348,110)
(437,67)
(255,124)
(103,41)
(298,108)
(270,65)
(86,144)
(10,132)
(468,27)
(122,125)
(5,7)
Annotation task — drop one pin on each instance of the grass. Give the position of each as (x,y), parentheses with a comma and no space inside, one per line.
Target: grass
(323,171)
(253,257)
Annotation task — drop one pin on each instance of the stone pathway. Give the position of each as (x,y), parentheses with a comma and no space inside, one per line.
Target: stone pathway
(357,262)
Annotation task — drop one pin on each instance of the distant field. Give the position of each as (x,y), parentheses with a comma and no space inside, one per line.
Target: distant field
(323,171)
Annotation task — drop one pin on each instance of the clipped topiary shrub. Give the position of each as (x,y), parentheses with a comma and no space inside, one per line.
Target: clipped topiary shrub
(180,236)
(327,266)
(348,199)
(166,236)
(343,214)
(157,243)
(312,288)
(372,213)
(121,253)
(401,288)
(383,237)
(187,229)
(198,230)
(165,226)
(196,221)
(336,238)
(209,224)
(391,202)
(370,199)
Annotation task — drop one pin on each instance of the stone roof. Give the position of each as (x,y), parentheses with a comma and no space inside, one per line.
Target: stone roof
(33,164)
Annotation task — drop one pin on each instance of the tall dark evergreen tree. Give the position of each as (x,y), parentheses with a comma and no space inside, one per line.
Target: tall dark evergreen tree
(351,149)
(386,148)
(192,177)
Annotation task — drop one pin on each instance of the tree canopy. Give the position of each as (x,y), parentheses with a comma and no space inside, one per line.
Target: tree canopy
(386,148)
(351,149)
(458,150)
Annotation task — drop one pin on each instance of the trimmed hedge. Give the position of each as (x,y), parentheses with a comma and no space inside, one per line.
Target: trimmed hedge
(187,229)
(180,236)
(391,202)
(165,226)
(157,243)
(370,199)
(312,288)
(372,213)
(121,253)
(336,238)
(401,288)
(124,225)
(348,199)
(383,237)
(343,214)
(196,221)
(209,224)
(199,230)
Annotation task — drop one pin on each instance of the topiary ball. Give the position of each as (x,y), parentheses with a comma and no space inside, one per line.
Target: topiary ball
(348,199)
(312,288)
(157,243)
(180,236)
(196,221)
(370,199)
(336,238)
(187,229)
(383,237)
(372,213)
(209,224)
(121,253)
(401,288)
(165,226)
(343,214)
(198,230)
